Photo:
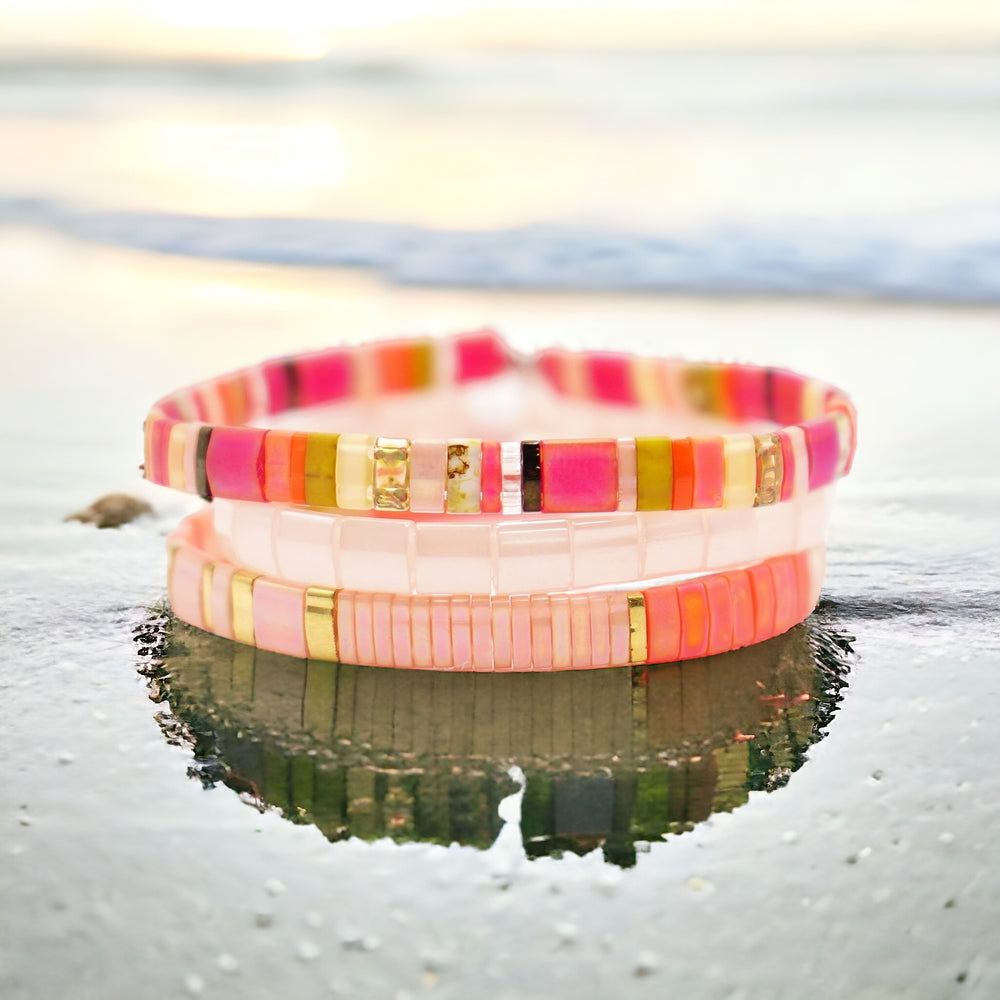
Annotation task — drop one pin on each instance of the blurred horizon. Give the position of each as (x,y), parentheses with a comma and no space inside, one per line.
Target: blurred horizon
(302,30)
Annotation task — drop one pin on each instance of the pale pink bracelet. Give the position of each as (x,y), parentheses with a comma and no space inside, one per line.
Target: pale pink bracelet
(195,441)
(494,555)
(697,617)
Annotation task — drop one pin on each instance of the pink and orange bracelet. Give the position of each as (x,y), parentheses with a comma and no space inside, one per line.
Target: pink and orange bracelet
(567,553)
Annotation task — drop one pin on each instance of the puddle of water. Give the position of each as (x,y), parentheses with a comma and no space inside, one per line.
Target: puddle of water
(612,759)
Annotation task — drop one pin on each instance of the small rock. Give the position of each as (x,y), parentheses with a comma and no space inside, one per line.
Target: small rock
(646,964)
(566,932)
(274,887)
(65,758)
(263,920)
(112,511)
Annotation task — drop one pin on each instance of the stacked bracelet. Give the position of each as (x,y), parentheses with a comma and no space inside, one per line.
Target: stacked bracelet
(570,553)
(193,442)
(497,555)
(699,616)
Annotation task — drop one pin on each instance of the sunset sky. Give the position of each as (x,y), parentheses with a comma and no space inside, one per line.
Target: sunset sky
(310,29)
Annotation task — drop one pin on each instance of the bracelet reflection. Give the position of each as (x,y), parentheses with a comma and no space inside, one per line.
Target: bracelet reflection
(614,758)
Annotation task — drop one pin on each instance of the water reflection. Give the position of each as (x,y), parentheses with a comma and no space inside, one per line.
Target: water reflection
(612,758)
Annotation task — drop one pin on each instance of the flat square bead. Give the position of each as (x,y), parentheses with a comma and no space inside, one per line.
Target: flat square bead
(325,376)
(823,449)
(279,617)
(740,462)
(654,473)
(372,554)
(682,455)
(354,471)
(600,542)
(741,603)
(453,562)
(520,546)
(307,548)
(720,614)
(278,466)
(709,471)
(234,463)
(579,476)
(695,622)
(428,476)
(479,355)
(610,378)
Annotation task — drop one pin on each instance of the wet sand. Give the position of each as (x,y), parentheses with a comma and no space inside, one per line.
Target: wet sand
(873,873)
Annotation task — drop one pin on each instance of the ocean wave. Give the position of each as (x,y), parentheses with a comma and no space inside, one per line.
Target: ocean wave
(947,257)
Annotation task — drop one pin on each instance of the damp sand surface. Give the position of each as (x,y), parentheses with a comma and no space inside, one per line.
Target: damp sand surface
(871,873)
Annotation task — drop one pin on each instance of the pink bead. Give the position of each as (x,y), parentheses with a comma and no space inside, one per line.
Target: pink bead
(382,630)
(741,602)
(461,633)
(694,619)
(579,476)
(278,617)
(347,648)
(482,633)
(276,379)
(551,367)
(600,633)
(747,386)
(787,600)
(364,634)
(663,633)
(222,600)
(762,585)
(402,647)
(541,633)
(619,626)
(479,355)
(611,378)
(234,463)
(503,651)
(520,626)
(420,631)
(720,614)
(561,628)
(441,631)
(325,376)
(428,476)
(786,396)
(491,481)
(709,471)
(159,444)
(185,586)
(823,448)
(579,615)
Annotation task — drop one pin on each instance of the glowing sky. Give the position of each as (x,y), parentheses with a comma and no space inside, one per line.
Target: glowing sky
(311,28)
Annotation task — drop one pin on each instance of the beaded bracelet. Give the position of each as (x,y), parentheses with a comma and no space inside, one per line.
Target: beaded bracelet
(696,617)
(428,554)
(194,441)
